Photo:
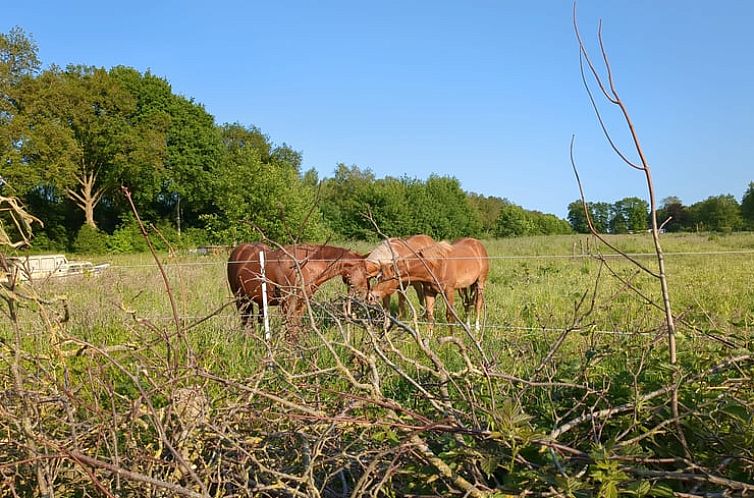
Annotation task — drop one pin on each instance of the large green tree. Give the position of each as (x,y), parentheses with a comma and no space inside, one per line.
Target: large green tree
(513,221)
(548,224)
(191,176)
(389,206)
(673,214)
(720,213)
(82,134)
(629,214)
(345,201)
(602,214)
(447,210)
(599,213)
(261,192)
(18,62)
(577,217)
(488,210)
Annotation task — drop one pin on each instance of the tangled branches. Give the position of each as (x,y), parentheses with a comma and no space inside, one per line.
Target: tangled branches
(367,407)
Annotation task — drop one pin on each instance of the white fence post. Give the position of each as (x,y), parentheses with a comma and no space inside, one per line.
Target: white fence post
(265,309)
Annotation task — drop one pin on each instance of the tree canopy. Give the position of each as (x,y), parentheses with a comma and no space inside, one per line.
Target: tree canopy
(71,137)
(720,213)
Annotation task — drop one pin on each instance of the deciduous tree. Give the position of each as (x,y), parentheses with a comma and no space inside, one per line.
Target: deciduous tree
(747,207)
(673,214)
(513,221)
(81,133)
(719,213)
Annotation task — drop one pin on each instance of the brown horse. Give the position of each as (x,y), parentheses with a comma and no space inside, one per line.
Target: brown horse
(388,252)
(245,279)
(295,272)
(443,268)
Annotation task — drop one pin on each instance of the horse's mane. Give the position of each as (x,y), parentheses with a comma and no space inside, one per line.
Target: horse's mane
(328,253)
(383,253)
(436,251)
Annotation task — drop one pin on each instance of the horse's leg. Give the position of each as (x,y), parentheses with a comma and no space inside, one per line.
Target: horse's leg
(260,315)
(464,293)
(347,305)
(479,302)
(430,313)
(419,288)
(288,306)
(243,304)
(467,296)
(386,304)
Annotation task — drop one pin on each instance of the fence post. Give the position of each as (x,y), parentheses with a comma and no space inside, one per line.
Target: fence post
(265,309)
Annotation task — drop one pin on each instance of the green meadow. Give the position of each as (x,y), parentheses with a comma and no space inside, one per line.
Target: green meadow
(534,283)
(565,390)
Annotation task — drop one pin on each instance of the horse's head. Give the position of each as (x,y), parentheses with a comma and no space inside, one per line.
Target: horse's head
(386,282)
(356,277)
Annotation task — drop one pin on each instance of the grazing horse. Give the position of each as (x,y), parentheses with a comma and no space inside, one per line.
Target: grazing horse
(295,272)
(389,252)
(443,268)
(245,279)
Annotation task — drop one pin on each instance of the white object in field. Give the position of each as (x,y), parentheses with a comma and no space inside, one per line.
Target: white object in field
(265,310)
(49,265)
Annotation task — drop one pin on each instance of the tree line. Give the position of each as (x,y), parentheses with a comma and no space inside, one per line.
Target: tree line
(718,213)
(71,137)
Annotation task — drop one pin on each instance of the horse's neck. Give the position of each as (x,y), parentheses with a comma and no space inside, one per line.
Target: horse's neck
(337,262)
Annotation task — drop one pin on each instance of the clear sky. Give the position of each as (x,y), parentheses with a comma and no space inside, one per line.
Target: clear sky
(486,91)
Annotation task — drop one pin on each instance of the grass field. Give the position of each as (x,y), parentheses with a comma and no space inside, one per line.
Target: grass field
(533,283)
(523,406)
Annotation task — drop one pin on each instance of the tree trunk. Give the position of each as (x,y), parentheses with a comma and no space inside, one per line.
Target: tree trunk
(87,197)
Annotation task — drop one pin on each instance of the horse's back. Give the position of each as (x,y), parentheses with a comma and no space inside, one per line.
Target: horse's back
(420,241)
(395,248)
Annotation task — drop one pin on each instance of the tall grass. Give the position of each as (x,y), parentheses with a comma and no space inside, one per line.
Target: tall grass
(497,394)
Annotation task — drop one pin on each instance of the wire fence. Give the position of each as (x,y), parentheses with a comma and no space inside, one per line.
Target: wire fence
(220,262)
(227,316)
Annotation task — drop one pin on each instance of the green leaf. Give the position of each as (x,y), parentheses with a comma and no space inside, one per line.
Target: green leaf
(662,491)
(737,411)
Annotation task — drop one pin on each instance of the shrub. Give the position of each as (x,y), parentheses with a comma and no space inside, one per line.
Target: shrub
(42,242)
(127,238)
(89,240)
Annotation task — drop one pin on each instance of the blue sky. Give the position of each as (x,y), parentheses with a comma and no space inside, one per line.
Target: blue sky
(486,91)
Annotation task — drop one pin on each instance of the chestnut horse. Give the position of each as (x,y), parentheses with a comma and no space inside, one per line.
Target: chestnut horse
(245,279)
(389,252)
(294,273)
(443,268)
